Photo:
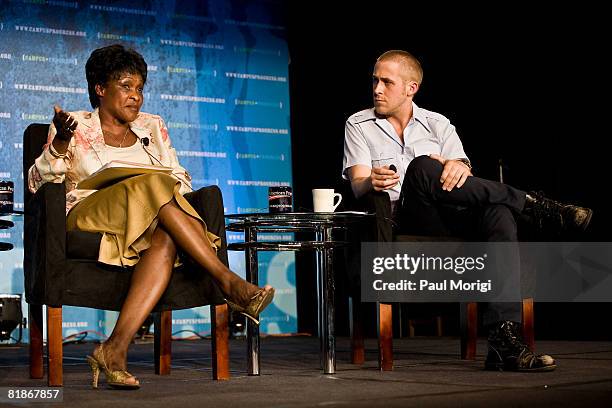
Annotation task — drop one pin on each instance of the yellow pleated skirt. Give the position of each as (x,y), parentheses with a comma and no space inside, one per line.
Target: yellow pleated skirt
(126,215)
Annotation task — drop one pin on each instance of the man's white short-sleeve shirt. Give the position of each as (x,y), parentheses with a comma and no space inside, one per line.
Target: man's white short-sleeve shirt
(373,142)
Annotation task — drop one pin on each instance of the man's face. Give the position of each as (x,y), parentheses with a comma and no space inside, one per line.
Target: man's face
(123,97)
(389,90)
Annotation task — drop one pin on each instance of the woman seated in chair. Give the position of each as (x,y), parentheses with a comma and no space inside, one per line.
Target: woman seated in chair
(143,219)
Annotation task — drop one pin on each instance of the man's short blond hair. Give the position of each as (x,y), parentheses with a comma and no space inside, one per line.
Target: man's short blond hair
(410,66)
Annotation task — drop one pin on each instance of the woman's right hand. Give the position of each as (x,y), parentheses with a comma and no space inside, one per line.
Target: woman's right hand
(64,124)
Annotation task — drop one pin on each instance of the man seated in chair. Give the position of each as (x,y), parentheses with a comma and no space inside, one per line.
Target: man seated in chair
(416,156)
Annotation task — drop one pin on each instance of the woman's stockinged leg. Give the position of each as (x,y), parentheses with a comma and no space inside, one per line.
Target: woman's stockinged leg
(149,281)
(189,234)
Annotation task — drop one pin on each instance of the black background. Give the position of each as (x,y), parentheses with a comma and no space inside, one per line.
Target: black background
(525,86)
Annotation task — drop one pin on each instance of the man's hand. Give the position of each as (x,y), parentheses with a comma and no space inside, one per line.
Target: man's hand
(365,178)
(64,124)
(383,179)
(454,174)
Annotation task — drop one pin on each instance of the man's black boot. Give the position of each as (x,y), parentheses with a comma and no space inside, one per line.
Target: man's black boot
(507,352)
(553,215)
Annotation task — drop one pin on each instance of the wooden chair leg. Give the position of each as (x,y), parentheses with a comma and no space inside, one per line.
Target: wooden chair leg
(469,330)
(528,331)
(356,328)
(219,315)
(163,342)
(411,329)
(439,326)
(36,341)
(54,347)
(384,319)
(398,313)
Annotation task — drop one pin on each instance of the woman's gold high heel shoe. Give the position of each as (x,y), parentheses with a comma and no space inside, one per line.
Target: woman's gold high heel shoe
(259,301)
(115,379)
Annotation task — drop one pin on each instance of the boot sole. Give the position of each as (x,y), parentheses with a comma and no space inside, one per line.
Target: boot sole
(122,386)
(500,367)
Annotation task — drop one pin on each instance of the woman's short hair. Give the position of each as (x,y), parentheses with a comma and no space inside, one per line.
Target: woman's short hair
(110,63)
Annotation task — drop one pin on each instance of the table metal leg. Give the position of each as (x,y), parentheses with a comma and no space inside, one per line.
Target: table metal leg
(327,306)
(319,264)
(252,275)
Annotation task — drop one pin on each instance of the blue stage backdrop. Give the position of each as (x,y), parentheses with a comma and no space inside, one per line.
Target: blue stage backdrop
(217,75)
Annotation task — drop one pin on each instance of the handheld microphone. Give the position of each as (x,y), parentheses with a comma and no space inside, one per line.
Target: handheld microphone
(145,141)
(393,168)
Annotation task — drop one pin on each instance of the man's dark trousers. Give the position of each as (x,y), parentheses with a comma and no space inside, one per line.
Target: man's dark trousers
(481,210)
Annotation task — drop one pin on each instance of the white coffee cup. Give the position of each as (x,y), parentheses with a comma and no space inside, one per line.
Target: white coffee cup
(323,199)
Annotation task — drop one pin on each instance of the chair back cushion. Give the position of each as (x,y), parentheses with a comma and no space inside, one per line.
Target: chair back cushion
(87,244)
(34,138)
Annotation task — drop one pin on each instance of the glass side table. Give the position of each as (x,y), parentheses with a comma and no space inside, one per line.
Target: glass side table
(7,224)
(322,224)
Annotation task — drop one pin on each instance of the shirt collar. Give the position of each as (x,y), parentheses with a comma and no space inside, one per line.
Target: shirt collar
(417,113)
(366,115)
(419,116)
(91,120)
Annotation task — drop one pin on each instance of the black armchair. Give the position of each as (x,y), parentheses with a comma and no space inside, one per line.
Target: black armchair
(382,231)
(61,268)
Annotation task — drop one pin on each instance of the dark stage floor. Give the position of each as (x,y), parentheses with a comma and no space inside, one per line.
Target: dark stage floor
(427,373)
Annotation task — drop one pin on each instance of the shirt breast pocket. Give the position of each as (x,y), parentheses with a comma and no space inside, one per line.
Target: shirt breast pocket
(383,158)
(425,148)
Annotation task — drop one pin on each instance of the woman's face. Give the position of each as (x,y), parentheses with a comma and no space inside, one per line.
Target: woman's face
(122,98)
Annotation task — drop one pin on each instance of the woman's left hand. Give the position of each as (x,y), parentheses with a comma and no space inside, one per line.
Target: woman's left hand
(64,124)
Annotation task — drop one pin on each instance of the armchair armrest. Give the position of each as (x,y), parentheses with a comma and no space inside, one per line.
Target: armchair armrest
(45,244)
(208,202)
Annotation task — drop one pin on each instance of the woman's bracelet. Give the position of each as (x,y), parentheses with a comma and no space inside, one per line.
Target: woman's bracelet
(54,152)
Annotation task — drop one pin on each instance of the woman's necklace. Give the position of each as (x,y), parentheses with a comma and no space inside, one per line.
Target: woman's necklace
(124,136)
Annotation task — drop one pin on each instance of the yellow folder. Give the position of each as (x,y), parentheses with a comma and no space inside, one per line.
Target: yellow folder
(115,171)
